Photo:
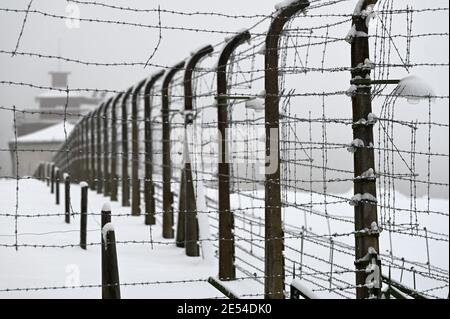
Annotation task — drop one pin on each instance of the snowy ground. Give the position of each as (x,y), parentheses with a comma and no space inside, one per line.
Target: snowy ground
(44,267)
(140,263)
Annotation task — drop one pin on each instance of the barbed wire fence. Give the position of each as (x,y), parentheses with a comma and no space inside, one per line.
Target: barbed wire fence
(253,140)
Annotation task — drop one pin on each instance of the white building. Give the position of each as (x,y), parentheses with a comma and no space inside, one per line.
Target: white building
(37,147)
(41,131)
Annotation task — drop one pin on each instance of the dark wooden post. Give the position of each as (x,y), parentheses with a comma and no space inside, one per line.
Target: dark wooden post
(73,155)
(79,152)
(192,228)
(274,235)
(83,214)
(135,185)
(47,173)
(168,231)
(110,269)
(38,171)
(148,183)
(113,175)
(67,197)
(66,155)
(81,144)
(299,291)
(221,287)
(93,173)
(98,135)
(125,175)
(188,224)
(57,186)
(106,155)
(365,211)
(86,147)
(227,270)
(70,156)
(52,178)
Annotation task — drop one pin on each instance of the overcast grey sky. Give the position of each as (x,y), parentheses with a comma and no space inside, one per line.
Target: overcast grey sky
(97,42)
(102,43)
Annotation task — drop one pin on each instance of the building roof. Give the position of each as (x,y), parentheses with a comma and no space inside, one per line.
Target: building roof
(53,134)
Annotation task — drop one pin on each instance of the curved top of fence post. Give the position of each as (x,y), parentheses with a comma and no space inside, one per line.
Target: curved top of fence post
(272,56)
(150,83)
(107,104)
(274,245)
(126,96)
(225,56)
(167,79)
(116,99)
(195,58)
(136,89)
(272,40)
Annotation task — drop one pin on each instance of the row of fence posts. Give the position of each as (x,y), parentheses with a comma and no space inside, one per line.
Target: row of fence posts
(110,271)
(82,156)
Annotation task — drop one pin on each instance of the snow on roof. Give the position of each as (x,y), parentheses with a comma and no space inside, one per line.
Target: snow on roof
(55,133)
(59,93)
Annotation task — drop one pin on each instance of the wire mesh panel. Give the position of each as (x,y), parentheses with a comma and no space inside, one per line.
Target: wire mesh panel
(409,160)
